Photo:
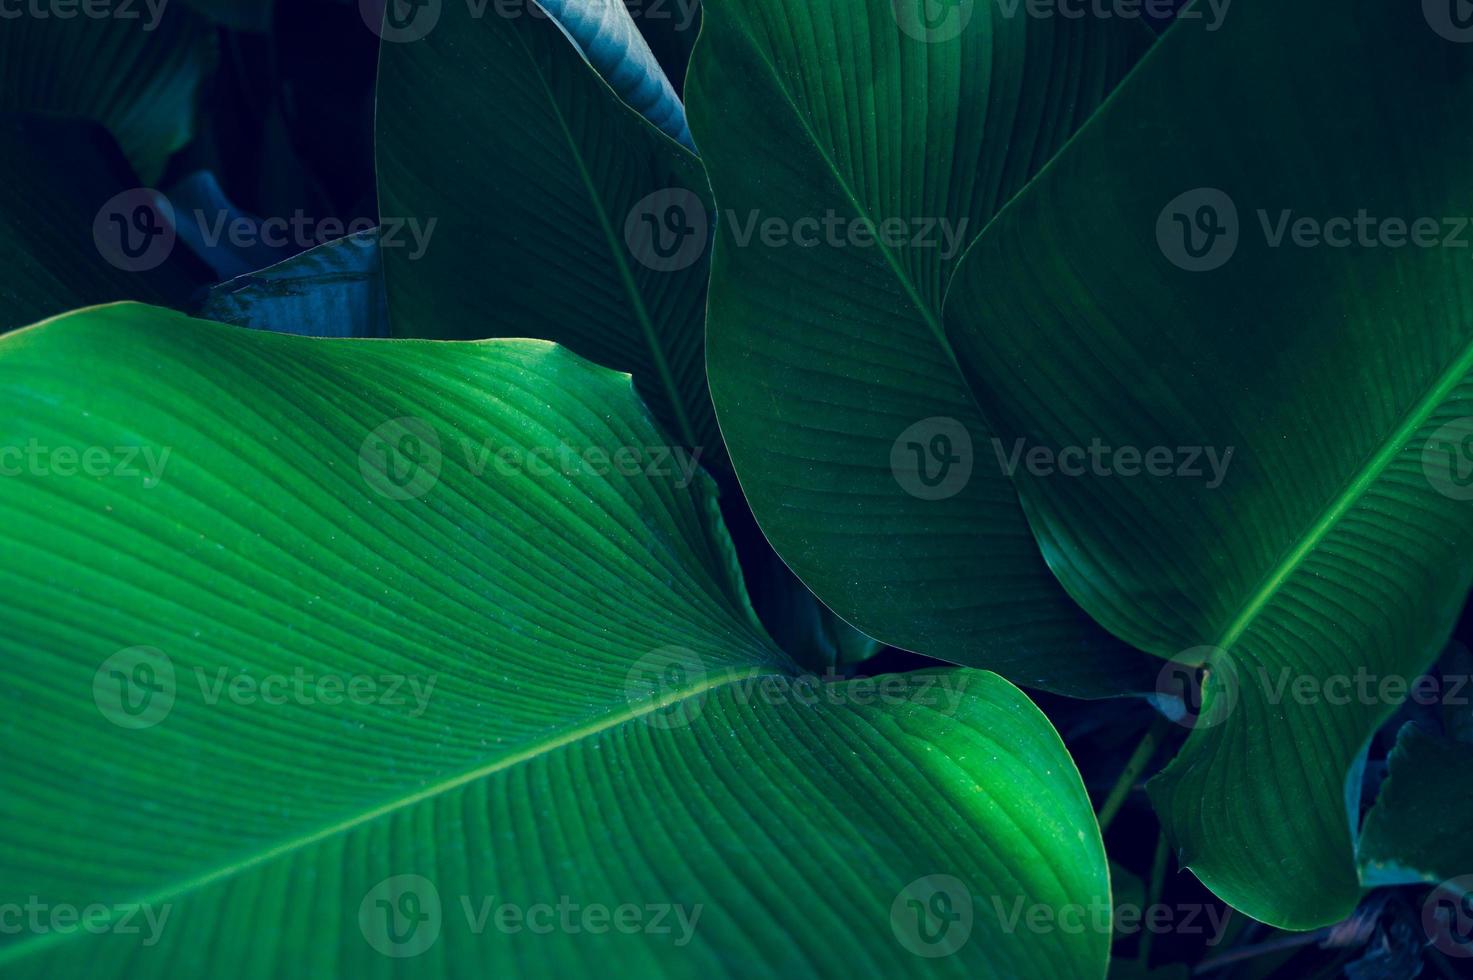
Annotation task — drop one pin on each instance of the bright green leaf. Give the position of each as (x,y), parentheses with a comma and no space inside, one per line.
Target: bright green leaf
(582,717)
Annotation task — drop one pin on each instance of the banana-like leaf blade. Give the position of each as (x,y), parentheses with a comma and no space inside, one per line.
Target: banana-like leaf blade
(200,726)
(1156,292)
(831,376)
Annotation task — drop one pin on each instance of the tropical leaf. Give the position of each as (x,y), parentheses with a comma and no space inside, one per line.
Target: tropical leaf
(333,290)
(136,71)
(1421,827)
(63,184)
(536,194)
(1137,297)
(827,361)
(605,34)
(588,716)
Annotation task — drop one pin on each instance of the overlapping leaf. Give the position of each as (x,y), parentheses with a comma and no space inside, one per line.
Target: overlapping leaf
(1158,289)
(228,544)
(849,424)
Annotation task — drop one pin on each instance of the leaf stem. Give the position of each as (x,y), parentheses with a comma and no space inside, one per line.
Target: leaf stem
(1134,766)
(1158,881)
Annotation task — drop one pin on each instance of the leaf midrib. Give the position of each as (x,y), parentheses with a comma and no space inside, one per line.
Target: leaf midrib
(626,275)
(910,291)
(587,730)
(1356,487)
